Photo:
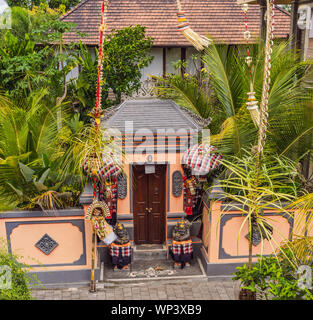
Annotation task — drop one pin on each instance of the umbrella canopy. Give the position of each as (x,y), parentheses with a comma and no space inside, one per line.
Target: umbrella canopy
(201,159)
(110,170)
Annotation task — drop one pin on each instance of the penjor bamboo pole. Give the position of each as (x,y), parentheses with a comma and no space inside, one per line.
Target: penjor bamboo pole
(102,29)
(93,260)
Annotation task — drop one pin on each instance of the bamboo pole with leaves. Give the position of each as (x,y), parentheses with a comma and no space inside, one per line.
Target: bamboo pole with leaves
(96,114)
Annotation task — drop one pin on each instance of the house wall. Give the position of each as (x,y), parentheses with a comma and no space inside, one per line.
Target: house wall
(310,49)
(156,68)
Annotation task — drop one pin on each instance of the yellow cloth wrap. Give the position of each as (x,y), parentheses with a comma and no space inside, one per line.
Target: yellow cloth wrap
(182,242)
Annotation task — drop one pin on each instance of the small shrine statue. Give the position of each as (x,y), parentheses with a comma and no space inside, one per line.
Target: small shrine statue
(96,213)
(120,249)
(181,250)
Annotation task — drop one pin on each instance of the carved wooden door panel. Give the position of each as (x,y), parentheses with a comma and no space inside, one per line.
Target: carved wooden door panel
(149,204)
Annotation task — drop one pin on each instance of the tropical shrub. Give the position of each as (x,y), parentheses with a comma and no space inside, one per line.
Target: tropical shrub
(25,66)
(30,154)
(30,4)
(126,53)
(20,280)
(290,124)
(273,278)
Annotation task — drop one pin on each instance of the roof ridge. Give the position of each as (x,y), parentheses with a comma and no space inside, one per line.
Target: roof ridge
(66,14)
(192,115)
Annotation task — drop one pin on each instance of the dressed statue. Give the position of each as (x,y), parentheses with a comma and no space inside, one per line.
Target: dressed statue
(181,250)
(120,249)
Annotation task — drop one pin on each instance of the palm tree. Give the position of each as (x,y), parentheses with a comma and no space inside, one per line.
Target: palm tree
(290,103)
(28,151)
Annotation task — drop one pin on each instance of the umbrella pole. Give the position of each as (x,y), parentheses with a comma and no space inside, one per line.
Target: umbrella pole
(93,258)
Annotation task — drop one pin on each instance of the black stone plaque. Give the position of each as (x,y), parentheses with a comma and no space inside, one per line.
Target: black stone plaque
(122,186)
(177,183)
(46,244)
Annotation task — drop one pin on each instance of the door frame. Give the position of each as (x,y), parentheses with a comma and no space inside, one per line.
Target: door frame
(167,190)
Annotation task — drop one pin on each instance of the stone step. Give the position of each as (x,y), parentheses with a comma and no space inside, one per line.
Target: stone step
(142,252)
(155,269)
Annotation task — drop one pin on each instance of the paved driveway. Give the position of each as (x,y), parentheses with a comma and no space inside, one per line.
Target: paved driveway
(173,289)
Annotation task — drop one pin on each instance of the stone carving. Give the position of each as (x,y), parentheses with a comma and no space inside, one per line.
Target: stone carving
(122,186)
(256,234)
(177,183)
(147,90)
(122,233)
(181,231)
(120,249)
(181,249)
(46,244)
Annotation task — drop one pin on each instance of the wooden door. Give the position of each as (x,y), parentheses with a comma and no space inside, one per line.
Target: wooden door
(149,204)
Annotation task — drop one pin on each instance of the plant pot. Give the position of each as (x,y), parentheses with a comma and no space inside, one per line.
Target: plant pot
(195,228)
(245,294)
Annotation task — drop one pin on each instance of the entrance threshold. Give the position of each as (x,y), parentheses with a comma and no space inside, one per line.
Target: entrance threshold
(146,270)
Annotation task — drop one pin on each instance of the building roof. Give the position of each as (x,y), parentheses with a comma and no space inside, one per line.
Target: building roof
(222,20)
(153,114)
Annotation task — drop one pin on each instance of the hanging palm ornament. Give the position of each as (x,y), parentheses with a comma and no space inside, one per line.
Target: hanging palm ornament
(198,41)
(269,42)
(260,116)
(252,104)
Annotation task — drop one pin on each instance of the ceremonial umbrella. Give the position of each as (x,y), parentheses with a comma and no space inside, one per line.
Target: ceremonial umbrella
(201,158)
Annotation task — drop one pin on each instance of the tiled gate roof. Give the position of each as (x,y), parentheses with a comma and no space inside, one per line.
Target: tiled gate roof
(153,114)
(221,19)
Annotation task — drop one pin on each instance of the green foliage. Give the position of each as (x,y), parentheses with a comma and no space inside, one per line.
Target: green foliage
(126,53)
(21,281)
(273,278)
(83,90)
(276,176)
(30,154)
(290,124)
(29,4)
(91,143)
(25,66)
(253,187)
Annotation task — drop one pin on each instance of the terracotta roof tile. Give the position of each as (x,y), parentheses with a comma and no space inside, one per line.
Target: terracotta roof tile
(222,20)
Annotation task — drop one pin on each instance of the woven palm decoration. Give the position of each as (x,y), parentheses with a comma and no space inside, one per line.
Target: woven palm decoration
(252,104)
(198,41)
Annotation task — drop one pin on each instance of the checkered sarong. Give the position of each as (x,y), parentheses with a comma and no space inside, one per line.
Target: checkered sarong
(121,254)
(117,250)
(201,159)
(182,247)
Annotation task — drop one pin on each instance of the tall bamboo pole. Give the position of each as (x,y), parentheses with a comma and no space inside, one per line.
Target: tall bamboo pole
(97,110)
(93,258)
